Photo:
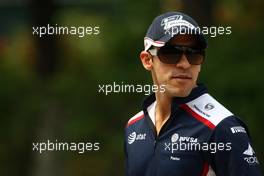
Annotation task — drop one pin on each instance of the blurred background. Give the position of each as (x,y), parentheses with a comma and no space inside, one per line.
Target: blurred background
(49,85)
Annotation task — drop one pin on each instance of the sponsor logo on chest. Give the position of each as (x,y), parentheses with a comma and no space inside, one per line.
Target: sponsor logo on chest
(132,137)
(175,138)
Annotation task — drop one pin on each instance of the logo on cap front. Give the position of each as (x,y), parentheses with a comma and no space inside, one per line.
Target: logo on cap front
(175,20)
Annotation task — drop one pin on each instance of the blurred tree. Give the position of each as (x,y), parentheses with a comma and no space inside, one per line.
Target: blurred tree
(201,10)
(46,66)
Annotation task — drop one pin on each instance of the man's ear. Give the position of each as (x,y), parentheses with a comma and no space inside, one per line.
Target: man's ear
(146,60)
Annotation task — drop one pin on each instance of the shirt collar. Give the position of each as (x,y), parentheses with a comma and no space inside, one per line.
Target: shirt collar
(195,93)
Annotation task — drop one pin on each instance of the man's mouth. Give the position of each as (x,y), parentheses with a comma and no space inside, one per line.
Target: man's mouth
(181,76)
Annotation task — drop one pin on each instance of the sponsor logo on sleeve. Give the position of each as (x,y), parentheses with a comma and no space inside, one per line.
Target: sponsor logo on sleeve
(201,111)
(209,106)
(250,157)
(238,129)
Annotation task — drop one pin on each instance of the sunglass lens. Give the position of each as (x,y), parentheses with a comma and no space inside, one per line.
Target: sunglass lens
(172,55)
(195,57)
(169,55)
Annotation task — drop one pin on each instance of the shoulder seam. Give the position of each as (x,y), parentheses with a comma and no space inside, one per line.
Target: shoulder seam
(135,118)
(207,110)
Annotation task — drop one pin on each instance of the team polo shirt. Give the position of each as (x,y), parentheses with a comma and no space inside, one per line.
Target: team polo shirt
(201,137)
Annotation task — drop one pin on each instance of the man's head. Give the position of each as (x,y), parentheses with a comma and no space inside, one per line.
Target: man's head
(174,60)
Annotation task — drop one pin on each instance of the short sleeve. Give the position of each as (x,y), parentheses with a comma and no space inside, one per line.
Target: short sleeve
(236,155)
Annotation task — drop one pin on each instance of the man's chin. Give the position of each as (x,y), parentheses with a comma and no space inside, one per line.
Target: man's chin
(179,92)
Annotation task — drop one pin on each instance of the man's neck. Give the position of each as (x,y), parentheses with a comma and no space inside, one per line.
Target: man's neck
(162,110)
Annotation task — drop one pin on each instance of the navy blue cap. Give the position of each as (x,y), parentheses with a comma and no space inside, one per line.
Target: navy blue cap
(167,25)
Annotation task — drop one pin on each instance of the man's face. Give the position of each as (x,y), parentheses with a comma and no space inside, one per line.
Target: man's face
(180,78)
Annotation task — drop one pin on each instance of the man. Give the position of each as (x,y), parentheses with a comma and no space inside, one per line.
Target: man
(183,131)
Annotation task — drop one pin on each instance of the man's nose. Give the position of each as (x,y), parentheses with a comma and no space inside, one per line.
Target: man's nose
(183,62)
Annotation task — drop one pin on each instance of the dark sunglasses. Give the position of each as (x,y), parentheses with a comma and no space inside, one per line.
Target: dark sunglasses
(171,54)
